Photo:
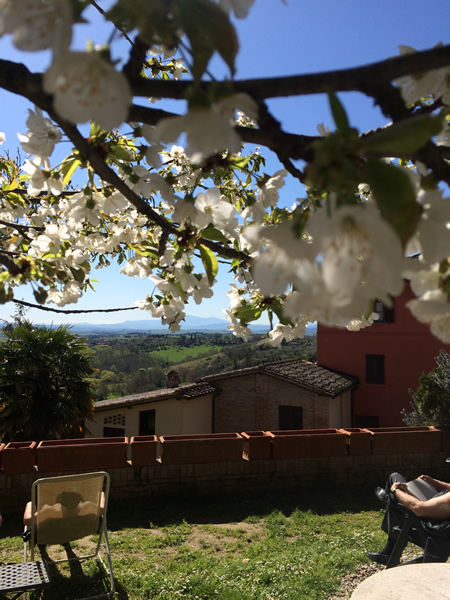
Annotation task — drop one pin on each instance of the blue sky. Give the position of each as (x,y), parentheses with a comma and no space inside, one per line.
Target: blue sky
(275,40)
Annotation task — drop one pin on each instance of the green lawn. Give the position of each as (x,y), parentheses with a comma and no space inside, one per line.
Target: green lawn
(277,546)
(177,354)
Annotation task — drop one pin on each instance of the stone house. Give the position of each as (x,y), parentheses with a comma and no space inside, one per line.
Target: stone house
(288,394)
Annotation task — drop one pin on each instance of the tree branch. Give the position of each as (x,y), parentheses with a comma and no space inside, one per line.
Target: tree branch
(69,312)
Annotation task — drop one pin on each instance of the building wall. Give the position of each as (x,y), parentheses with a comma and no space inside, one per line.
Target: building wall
(251,403)
(172,417)
(409,350)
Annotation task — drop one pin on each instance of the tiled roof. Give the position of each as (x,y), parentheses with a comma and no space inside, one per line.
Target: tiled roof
(311,375)
(187,392)
(299,372)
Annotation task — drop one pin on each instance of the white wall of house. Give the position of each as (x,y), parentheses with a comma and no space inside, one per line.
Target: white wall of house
(172,417)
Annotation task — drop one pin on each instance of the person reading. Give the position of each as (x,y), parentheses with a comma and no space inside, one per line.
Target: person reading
(428,499)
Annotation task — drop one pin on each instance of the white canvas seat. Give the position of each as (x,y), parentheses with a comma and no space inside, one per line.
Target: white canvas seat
(65,509)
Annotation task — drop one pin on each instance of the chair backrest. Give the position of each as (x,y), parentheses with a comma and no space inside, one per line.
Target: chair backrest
(69,507)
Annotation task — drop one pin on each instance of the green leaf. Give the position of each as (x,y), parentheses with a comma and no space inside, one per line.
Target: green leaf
(395,196)
(209,29)
(142,251)
(78,274)
(118,151)
(40,295)
(213,234)
(68,168)
(239,162)
(339,114)
(210,263)
(404,137)
(247,313)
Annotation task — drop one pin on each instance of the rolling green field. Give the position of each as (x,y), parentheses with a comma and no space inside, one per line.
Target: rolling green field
(178,354)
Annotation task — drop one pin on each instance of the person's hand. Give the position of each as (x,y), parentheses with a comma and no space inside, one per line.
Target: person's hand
(399,485)
(427,478)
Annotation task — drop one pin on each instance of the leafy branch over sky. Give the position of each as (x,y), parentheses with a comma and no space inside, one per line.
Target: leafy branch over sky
(172,214)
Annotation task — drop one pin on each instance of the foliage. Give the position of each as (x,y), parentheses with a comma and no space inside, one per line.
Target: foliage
(431,400)
(44,393)
(139,363)
(176,215)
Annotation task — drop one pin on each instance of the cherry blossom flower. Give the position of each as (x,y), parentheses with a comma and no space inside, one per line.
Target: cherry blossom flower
(432,306)
(235,327)
(37,24)
(267,196)
(363,322)
(207,131)
(212,209)
(40,179)
(432,236)
(281,333)
(114,203)
(84,208)
(42,135)
(239,7)
(87,87)
(69,294)
(2,137)
(360,253)
(421,85)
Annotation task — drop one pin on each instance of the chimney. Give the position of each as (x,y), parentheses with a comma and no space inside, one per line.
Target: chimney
(173,379)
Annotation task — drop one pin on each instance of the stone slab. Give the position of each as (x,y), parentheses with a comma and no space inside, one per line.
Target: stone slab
(427,581)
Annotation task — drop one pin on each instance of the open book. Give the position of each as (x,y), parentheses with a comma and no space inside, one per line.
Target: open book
(421,489)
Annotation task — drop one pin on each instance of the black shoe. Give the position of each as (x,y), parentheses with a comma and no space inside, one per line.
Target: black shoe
(379,557)
(382,495)
(414,561)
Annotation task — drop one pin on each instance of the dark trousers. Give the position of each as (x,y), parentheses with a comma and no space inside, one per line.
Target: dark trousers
(435,549)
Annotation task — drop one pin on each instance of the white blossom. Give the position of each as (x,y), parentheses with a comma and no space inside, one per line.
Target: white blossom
(69,294)
(2,137)
(235,327)
(87,87)
(40,179)
(360,254)
(434,83)
(363,322)
(42,135)
(207,132)
(212,209)
(432,236)
(37,24)
(239,7)
(114,203)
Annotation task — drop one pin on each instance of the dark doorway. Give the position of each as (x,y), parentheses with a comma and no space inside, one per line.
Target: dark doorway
(147,422)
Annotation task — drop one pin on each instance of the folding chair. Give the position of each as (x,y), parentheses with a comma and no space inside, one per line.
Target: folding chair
(433,537)
(65,509)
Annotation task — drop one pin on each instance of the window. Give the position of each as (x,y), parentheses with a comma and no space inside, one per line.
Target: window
(375,368)
(385,313)
(366,421)
(290,417)
(113,432)
(147,422)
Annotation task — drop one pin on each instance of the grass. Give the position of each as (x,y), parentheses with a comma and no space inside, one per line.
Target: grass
(253,547)
(177,354)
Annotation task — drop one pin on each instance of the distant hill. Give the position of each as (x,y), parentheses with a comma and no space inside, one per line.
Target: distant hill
(191,323)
